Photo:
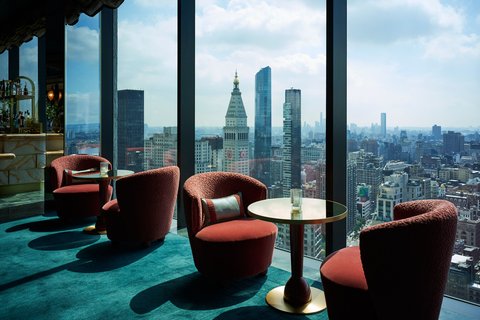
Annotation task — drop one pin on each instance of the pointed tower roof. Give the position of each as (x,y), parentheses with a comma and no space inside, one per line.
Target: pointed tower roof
(235,106)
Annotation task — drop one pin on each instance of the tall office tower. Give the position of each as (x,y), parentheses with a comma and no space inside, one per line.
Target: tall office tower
(437,132)
(203,156)
(235,134)
(130,129)
(216,146)
(161,149)
(321,179)
(370,145)
(263,125)
(369,171)
(292,140)
(383,124)
(351,194)
(322,123)
(453,142)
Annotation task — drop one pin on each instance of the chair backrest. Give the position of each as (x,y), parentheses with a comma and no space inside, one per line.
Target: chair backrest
(216,185)
(406,261)
(73,162)
(147,201)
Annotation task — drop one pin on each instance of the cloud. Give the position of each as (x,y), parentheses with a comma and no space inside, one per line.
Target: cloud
(147,60)
(403,56)
(452,46)
(29,60)
(439,29)
(249,35)
(278,25)
(83,44)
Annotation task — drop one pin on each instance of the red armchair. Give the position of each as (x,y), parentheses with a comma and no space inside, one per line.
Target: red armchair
(231,249)
(75,200)
(400,269)
(143,210)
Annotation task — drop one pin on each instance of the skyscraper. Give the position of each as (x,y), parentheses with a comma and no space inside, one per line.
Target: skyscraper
(263,125)
(351,194)
(130,129)
(292,140)
(453,142)
(437,132)
(383,124)
(235,133)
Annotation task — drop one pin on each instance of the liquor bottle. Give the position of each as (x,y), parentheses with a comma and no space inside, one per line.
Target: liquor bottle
(25,90)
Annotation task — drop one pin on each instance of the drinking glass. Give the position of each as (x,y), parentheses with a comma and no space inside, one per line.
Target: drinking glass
(103,168)
(296,199)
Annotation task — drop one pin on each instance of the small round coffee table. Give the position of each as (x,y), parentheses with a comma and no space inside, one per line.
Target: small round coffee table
(103,182)
(297,296)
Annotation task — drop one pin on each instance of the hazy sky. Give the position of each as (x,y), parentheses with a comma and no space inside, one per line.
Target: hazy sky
(418,61)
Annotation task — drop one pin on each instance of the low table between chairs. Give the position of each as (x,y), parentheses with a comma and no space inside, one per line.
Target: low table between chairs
(103,182)
(297,296)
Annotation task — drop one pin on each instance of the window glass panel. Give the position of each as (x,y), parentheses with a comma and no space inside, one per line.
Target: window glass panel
(82,118)
(413,118)
(4,65)
(260,97)
(3,76)
(29,79)
(147,84)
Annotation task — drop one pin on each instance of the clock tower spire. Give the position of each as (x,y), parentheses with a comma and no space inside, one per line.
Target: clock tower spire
(235,133)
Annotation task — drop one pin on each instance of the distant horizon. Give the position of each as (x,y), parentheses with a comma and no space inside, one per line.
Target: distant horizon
(429,128)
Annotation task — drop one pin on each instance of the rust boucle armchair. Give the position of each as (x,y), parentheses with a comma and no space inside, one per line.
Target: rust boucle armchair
(75,200)
(143,210)
(400,269)
(232,249)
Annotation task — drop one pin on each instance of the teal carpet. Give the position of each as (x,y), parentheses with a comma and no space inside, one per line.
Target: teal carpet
(52,271)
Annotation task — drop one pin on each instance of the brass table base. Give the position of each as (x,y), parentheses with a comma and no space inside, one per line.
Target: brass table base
(94,231)
(275,300)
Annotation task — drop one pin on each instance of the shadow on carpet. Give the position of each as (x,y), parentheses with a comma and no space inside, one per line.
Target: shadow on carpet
(55,271)
(195,292)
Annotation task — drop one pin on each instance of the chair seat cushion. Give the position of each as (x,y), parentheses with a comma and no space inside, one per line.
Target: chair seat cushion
(237,230)
(344,267)
(235,249)
(343,280)
(78,200)
(77,188)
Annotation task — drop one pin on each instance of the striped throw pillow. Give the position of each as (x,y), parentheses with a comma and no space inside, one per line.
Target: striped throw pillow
(223,209)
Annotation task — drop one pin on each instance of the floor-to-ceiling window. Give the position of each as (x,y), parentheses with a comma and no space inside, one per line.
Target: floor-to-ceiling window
(147,85)
(260,97)
(82,117)
(413,80)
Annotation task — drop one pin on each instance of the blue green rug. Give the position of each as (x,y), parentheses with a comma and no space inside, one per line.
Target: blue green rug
(54,271)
